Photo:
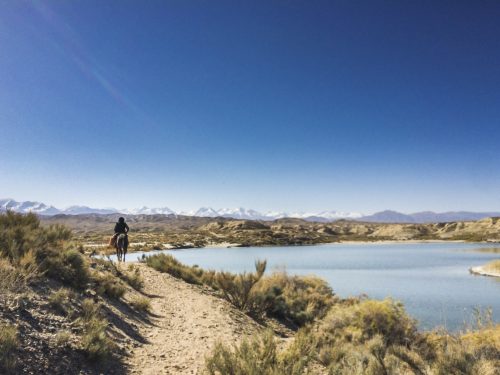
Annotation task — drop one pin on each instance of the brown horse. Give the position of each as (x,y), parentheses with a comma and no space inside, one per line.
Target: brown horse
(121,247)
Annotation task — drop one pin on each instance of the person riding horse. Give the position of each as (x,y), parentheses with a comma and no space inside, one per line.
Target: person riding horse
(120,238)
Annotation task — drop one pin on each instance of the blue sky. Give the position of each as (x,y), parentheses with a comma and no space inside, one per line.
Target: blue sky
(271,105)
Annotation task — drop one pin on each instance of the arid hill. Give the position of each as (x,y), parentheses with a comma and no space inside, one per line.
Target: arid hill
(160,231)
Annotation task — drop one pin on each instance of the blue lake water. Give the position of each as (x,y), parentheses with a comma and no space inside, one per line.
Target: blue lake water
(431,279)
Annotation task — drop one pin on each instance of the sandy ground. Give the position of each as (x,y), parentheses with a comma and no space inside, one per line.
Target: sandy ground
(186,323)
(483,272)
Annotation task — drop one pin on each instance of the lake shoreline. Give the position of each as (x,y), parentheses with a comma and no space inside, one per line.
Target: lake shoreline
(481,271)
(226,245)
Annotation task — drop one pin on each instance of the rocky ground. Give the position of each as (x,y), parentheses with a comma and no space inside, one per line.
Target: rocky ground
(182,327)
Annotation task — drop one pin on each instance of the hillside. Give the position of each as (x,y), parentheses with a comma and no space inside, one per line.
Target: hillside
(161,231)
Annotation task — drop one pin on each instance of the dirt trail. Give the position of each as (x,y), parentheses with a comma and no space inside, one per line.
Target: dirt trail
(186,323)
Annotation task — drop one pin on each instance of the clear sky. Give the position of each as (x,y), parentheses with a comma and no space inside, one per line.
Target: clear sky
(271,105)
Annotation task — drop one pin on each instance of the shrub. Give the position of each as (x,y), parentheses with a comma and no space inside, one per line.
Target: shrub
(63,338)
(299,299)
(69,266)
(8,344)
(368,318)
(94,340)
(141,303)
(168,264)
(12,279)
(59,300)
(133,278)
(258,356)
(237,288)
(108,284)
(35,249)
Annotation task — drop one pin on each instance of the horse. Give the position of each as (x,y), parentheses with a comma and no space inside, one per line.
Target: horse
(121,247)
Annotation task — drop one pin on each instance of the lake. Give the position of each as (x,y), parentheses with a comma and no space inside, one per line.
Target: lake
(431,279)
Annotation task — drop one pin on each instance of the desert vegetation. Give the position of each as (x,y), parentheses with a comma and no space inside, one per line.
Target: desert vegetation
(294,300)
(46,280)
(336,336)
(364,337)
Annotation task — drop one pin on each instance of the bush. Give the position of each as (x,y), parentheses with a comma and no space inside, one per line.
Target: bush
(133,278)
(237,288)
(63,338)
(12,279)
(8,344)
(94,340)
(108,284)
(59,300)
(141,303)
(168,264)
(299,299)
(259,356)
(69,266)
(35,249)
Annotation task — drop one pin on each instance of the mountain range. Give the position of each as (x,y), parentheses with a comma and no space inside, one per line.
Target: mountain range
(387,216)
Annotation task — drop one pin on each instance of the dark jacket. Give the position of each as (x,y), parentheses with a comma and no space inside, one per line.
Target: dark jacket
(121,228)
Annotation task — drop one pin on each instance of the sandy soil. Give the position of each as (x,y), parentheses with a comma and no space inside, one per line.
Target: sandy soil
(186,323)
(483,272)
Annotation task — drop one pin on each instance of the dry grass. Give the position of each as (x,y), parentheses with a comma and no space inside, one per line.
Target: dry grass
(108,284)
(8,344)
(141,303)
(94,339)
(168,264)
(63,338)
(259,356)
(59,300)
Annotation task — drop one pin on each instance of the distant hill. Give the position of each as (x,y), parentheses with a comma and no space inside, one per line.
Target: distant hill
(427,217)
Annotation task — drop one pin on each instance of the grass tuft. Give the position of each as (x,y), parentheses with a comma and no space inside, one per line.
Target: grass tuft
(8,344)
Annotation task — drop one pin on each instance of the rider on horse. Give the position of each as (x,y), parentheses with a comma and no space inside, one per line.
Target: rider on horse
(121,227)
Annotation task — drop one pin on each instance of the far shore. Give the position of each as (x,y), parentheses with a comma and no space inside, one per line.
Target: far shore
(480,270)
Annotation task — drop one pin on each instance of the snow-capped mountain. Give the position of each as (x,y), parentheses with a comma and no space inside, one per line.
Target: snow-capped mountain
(81,210)
(249,214)
(148,211)
(28,206)
(204,212)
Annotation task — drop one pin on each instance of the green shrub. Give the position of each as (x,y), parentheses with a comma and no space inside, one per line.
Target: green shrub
(237,288)
(8,344)
(108,284)
(299,299)
(35,249)
(258,356)
(95,342)
(368,318)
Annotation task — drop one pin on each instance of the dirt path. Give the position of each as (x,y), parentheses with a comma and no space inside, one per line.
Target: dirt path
(186,323)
